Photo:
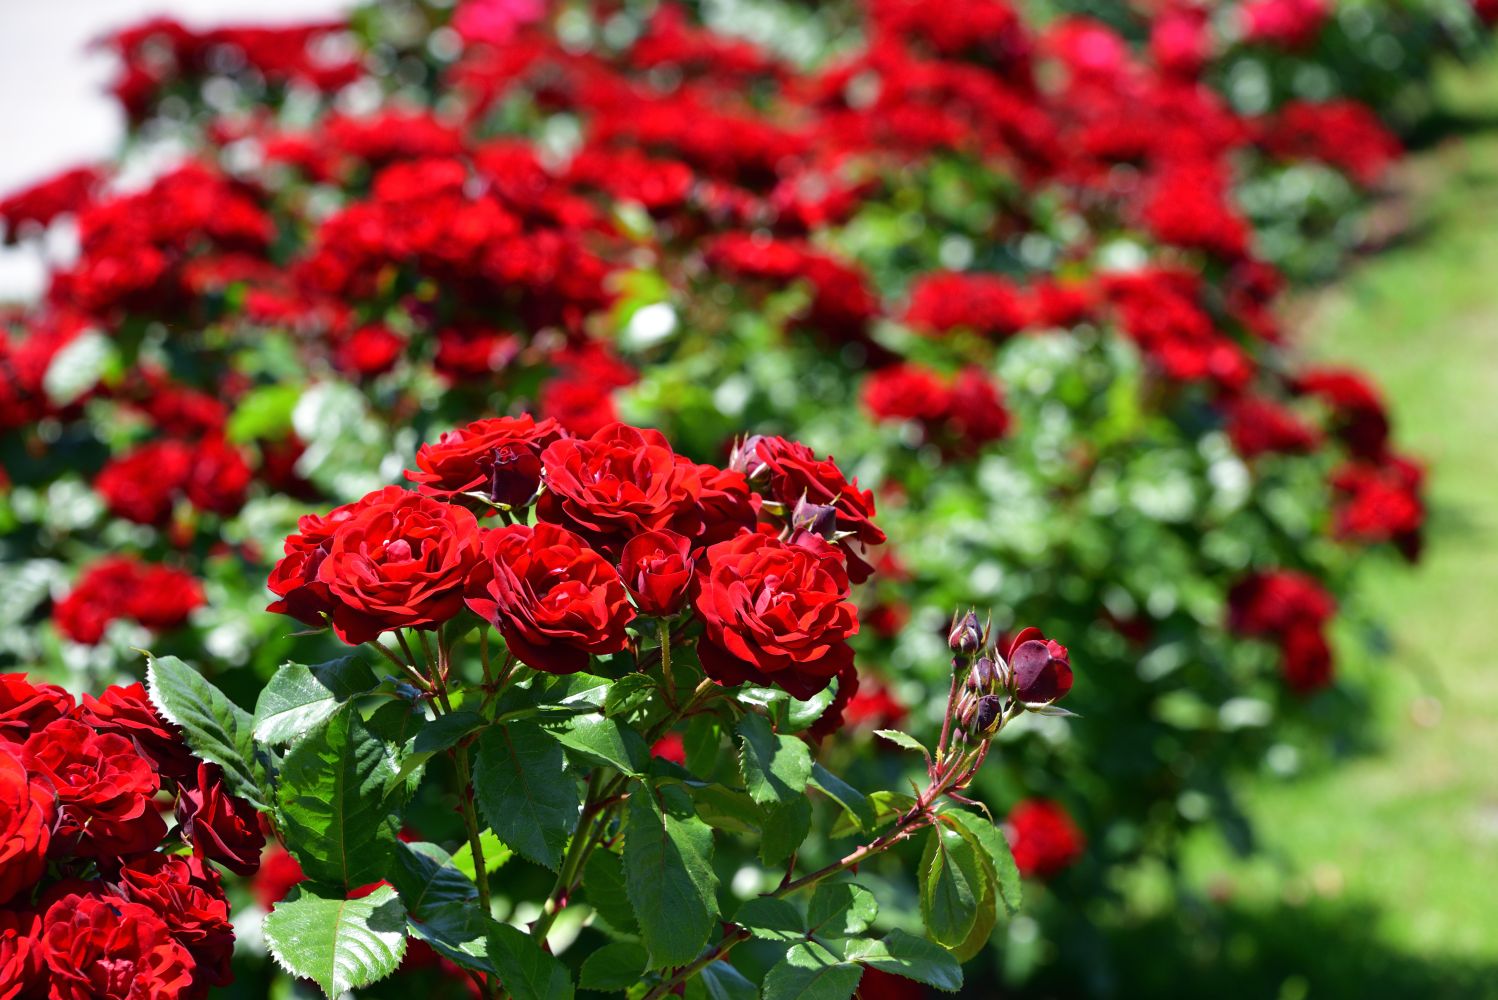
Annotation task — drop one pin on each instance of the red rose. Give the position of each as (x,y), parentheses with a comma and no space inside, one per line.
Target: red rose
(796,474)
(107,949)
(393,560)
(166,597)
(499,458)
(26,814)
(197,914)
(26,708)
(104,790)
(21,972)
(368,351)
(219,826)
(774,613)
(142,485)
(657,571)
(1041,667)
(555,600)
(115,587)
(619,483)
(727,504)
(1307,659)
(670,747)
(127,711)
(1044,838)
(218,478)
(1271,603)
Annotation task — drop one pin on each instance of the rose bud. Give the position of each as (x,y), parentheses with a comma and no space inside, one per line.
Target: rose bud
(966,636)
(219,826)
(983,674)
(657,571)
(986,718)
(818,519)
(1041,668)
(514,475)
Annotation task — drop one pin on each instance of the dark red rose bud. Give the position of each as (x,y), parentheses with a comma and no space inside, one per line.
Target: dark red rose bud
(966,636)
(219,826)
(514,475)
(817,519)
(990,709)
(657,570)
(983,674)
(1042,668)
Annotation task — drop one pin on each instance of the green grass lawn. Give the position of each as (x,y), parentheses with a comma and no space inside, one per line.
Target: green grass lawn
(1381,874)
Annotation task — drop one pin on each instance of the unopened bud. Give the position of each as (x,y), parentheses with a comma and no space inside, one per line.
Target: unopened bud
(815,518)
(966,706)
(989,712)
(966,636)
(983,674)
(745,457)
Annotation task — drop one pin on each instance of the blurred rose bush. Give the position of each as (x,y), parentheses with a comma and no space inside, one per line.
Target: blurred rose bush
(1025,271)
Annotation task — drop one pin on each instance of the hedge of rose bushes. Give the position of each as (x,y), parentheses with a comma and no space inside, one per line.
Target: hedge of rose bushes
(1023,268)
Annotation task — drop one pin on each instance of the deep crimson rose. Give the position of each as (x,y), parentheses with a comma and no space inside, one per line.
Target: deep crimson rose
(555,600)
(218,478)
(1260,426)
(1307,659)
(795,473)
(108,949)
(499,458)
(618,483)
(220,826)
(905,392)
(1273,602)
(1041,666)
(127,711)
(121,587)
(142,485)
(670,747)
(26,708)
(1045,839)
(26,814)
(727,504)
(1358,414)
(392,560)
(278,873)
(196,914)
(21,972)
(774,612)
(369,351)
(104,790)
(657,571)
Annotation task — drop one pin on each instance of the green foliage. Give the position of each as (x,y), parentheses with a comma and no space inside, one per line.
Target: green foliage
(775,767)
(216,729)
(300,698)
(524,791)
(340,944)
(668,874)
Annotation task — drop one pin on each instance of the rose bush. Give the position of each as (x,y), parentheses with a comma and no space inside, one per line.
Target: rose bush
(1026,269)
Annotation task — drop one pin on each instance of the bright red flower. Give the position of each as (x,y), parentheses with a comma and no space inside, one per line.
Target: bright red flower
(21,970)
(193,909)
(142,485)
(127,711)
(499,457)
(105,790)
(107,949)
(27,708)
(220,826)
(26,815)
(555,600)
(1045,839)
(657,570)
(116,587)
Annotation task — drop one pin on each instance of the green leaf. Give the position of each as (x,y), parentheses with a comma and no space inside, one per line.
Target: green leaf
(861,814)
(951,887)
(524,790)
(883,805)
(775,767)
(613,967)
(800,714)
(338,803)
(628,693)
(1000,856)
(340,944)
(445,732)
(299,698)
(496,855)
(903,740)
(216,729)
(603,885)
(912,957)
(723,982)
(727,809)
(264,412)
(771,919)
(701,743)
(528,972)
(78,367)
(783,829)
(669,876)
(840,910)
(442,904)
(601,740)
(811,972)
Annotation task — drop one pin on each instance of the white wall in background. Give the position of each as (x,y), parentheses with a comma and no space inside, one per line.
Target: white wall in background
(54,111)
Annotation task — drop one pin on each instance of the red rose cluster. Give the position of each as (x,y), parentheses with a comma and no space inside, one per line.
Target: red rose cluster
(761,553)
(120,587)
(1045,839)
(90,905)
(1291,609)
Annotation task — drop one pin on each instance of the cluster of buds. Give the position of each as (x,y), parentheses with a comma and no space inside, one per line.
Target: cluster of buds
(991,686)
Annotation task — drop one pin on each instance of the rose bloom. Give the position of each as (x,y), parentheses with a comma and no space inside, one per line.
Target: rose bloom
(26,708)
(1041,666)
(193,908)
(21,973)
(657,571)
(107,949)
(394,560)
(116,587)
(618,483)
(294,577)
(499,457)
(1045,839)
(26,814)
(555,600)
(127,711)
(1306,659)
(218,478)
(142,485)
(104,789)
(796,474)
(774,612)
(220,826)
(1271,603)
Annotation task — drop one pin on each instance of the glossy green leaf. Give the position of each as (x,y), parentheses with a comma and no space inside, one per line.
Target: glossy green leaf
(775,767)
(528,971)
(771,919)
(628,694)
(903,740)
(669,877)
(340,944)
(614,967)
(810,972)
(1000,856)
(215,729)
(860,812)
(840,910)
(598,739)
(300,698)
(442,904)
(951,887)
(722,981)
(496,854)
(784,828)
(913,957)
(524,791)
(603,885)
(883,806)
